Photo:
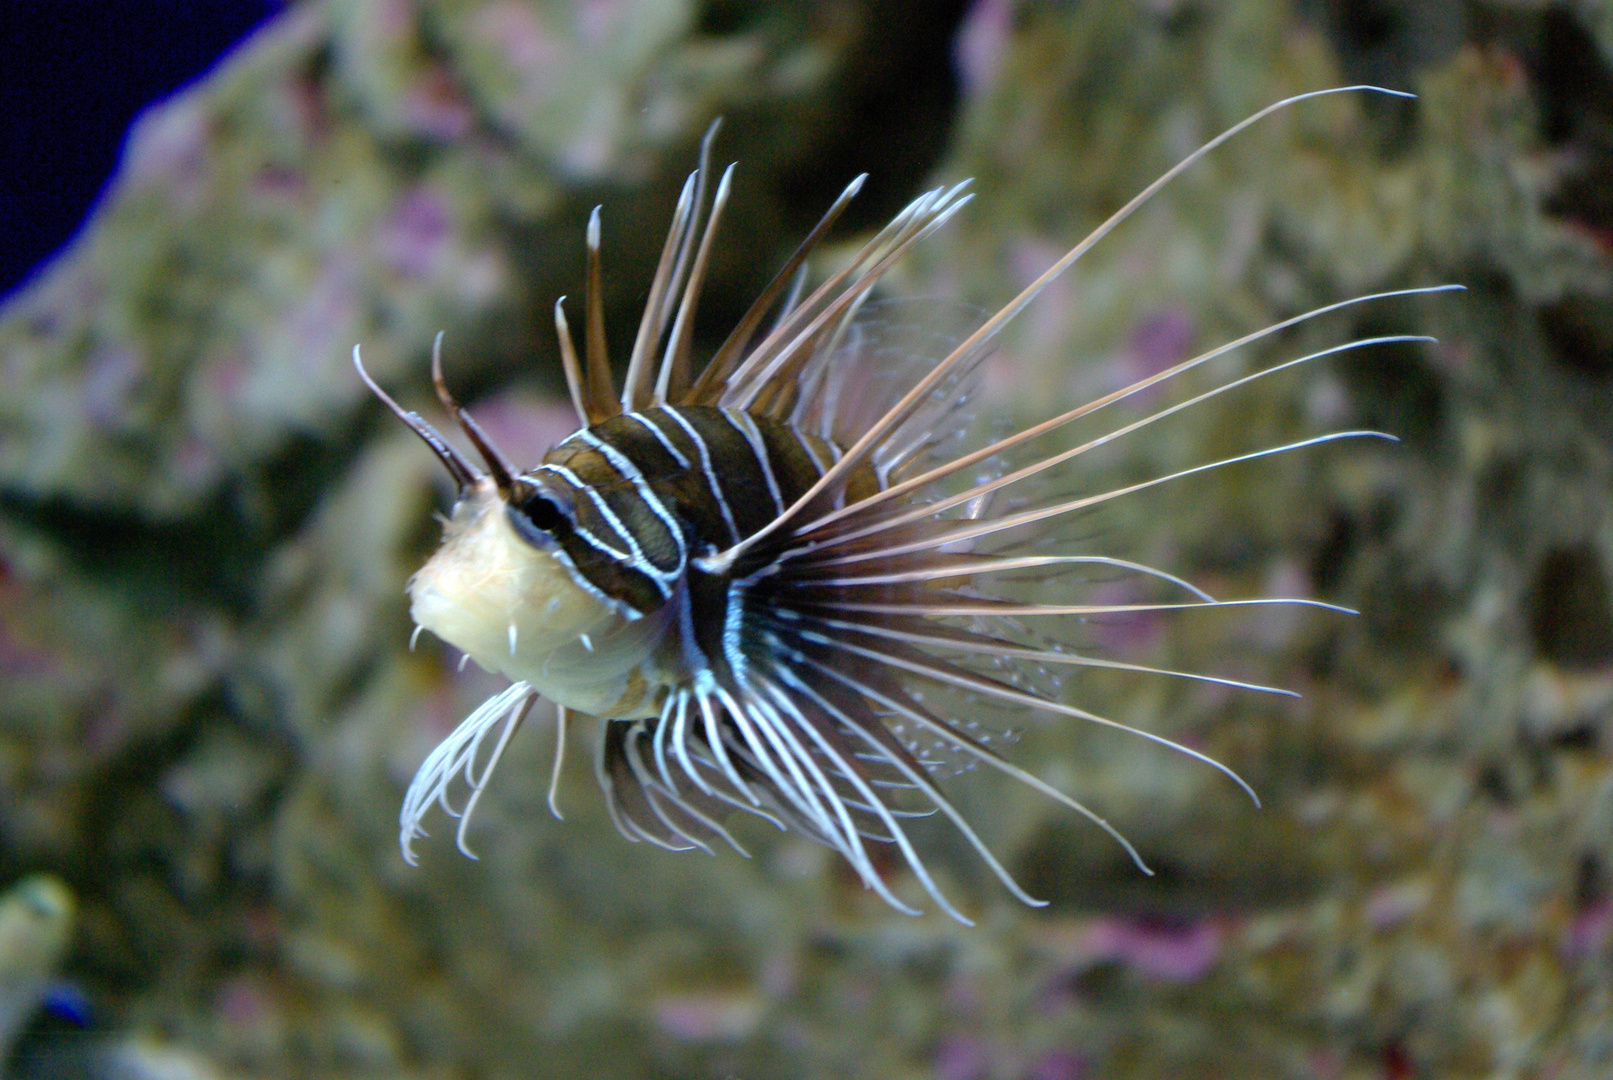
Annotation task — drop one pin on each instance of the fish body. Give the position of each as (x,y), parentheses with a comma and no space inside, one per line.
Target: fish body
(609,623)
(793,584)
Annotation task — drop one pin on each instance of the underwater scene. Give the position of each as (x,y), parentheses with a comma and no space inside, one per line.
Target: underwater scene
(1195,661)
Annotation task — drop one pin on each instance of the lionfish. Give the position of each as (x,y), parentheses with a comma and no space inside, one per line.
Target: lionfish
(778,585)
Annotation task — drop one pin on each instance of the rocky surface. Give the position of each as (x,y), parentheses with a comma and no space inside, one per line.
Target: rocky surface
(208,709)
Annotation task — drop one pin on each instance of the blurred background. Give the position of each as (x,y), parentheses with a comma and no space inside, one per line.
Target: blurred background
(208,710)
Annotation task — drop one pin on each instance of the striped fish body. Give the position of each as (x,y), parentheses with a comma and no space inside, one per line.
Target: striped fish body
(622,513)
(789,584)
(670,484)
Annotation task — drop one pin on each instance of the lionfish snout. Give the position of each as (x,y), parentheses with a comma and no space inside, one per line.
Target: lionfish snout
(789,583)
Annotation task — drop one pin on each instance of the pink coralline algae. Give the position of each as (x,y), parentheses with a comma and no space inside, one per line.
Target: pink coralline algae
(960,1057)
(435,109)
(982,42)
(416,234)
(1158,341)
(712,1017)
(1168,953)
(1589,931)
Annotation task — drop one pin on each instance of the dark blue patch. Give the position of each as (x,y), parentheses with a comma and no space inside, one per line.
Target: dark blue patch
(65,1001)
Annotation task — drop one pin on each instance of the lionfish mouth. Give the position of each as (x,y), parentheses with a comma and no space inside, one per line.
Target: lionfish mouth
(847,573)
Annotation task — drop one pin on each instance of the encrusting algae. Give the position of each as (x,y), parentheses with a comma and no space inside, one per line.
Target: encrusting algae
(210,714)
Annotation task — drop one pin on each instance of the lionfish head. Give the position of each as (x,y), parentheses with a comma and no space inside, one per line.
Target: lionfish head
(499,588)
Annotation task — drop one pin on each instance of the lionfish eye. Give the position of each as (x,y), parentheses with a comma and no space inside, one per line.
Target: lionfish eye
(539,516)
